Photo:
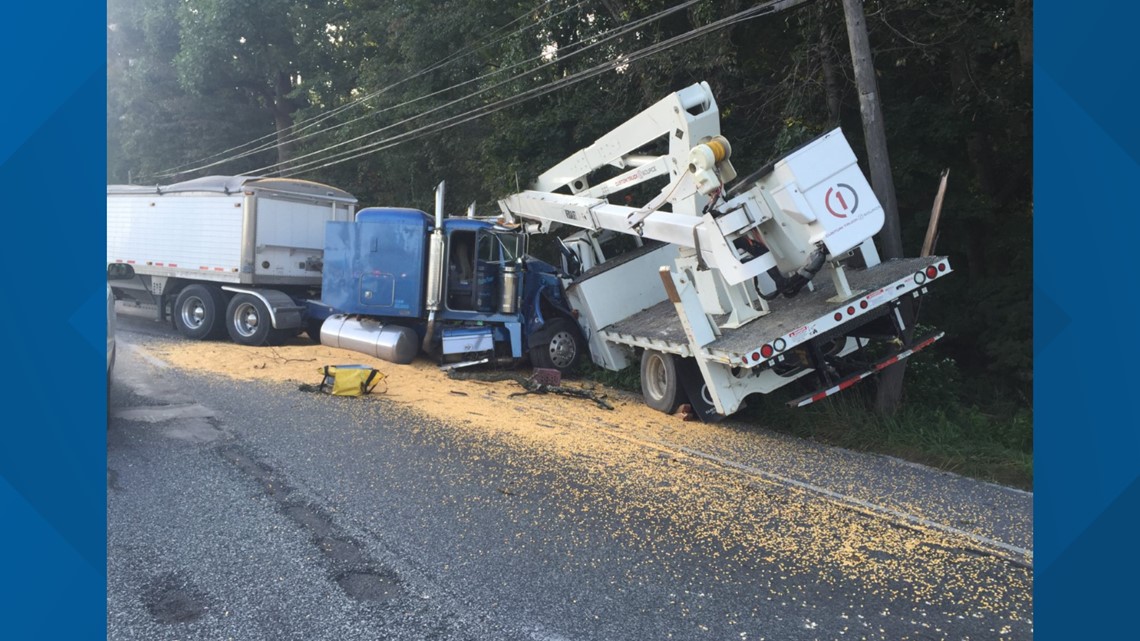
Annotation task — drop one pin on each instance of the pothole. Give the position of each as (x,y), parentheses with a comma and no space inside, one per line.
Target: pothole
(340,551)
(310,519)
(376,587)
(172,600)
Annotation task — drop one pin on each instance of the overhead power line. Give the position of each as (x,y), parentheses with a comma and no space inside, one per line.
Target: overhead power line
(768,8)
(598,41)
(324,159)
(270,141)
(570,51)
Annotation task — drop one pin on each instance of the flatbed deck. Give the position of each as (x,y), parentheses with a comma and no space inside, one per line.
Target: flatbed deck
(659,324)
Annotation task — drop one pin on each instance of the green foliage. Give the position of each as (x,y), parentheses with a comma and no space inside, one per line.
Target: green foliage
(627,379)
(937,425)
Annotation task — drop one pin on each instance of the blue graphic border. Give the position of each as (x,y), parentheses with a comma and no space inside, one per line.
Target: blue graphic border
(1087,457)
(53,475)
(52,461)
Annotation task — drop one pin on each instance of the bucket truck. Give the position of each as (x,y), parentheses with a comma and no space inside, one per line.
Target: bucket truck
(732,290)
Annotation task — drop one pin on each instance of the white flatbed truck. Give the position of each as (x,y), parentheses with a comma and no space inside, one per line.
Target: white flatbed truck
(732,292)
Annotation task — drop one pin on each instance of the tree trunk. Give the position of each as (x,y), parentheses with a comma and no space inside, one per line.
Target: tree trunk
(890,238)
(832,90)
(283,119)
(1023,10)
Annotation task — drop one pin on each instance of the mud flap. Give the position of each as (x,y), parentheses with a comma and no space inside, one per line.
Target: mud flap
(689,375)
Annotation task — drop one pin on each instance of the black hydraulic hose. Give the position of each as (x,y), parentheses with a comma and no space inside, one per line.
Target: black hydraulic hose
(777,278)
(816,264)
(789,287)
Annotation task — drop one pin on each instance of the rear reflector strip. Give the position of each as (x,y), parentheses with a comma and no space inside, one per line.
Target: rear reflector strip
(855,378)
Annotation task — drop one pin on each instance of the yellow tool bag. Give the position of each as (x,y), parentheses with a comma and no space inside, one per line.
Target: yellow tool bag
(349,380)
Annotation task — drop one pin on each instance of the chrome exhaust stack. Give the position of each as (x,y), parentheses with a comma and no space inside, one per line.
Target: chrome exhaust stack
(436,255)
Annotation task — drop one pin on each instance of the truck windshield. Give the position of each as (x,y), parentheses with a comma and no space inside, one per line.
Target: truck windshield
(498,246)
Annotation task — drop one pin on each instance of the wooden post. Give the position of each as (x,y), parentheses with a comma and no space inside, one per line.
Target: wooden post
(935,214)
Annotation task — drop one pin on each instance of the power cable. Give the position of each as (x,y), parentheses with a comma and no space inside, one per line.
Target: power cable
(766,8)
(317,119)
(773,6)
(599,40)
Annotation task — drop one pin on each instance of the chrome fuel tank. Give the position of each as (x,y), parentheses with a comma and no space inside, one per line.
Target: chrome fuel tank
(393,343)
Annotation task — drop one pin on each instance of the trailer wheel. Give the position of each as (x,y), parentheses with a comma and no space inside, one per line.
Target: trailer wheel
(558,345)
(659,382)
(198,311)
(248,322)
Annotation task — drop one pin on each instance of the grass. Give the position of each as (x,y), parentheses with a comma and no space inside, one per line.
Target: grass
(964,439)
(963,428)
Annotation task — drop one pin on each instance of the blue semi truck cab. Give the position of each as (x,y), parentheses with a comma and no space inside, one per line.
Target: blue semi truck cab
(396,282)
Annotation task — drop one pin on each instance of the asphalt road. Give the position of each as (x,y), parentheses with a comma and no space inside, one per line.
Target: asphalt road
(252,510)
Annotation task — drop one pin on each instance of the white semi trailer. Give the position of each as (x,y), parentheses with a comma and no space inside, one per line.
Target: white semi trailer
(224,254)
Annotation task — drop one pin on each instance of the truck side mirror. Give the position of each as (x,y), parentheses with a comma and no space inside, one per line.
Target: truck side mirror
(120,271)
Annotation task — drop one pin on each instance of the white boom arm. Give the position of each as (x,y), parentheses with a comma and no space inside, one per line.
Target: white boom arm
(814,199)
(810,207)
(682,119)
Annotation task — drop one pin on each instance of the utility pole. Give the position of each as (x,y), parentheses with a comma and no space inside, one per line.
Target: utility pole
(873,129)
(890,238)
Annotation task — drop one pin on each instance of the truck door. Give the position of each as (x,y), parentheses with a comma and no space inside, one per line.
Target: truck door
(495,254)
(461,270)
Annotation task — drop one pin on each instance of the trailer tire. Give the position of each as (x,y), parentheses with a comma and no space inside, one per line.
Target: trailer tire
(198,311)
(660,384)
(558,345)
(248,322)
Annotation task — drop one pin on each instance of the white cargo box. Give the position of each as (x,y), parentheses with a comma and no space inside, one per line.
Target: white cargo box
(229,229)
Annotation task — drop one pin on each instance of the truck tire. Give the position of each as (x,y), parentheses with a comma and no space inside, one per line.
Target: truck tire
(248,322)
(313,329)
(558,345)
(660,384)
(198,311)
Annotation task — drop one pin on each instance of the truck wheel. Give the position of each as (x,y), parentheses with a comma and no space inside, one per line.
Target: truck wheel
(198,311)
(558,345)
(313,329)
(659,383)
(247,321)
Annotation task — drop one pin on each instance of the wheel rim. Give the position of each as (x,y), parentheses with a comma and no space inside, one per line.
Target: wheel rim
(193,312)
(656,378)
(562,349)
(246,319)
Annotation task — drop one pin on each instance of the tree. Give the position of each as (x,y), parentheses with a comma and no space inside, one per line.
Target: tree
(260,48)
(153,123)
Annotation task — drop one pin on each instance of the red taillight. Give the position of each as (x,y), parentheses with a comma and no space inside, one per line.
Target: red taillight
(863,304)
(755,356)
(838,316)
(766,351)
(931,271)
(941,267)
(850,311)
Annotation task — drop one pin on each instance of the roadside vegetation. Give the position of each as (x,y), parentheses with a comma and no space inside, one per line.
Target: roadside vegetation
(944,422)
